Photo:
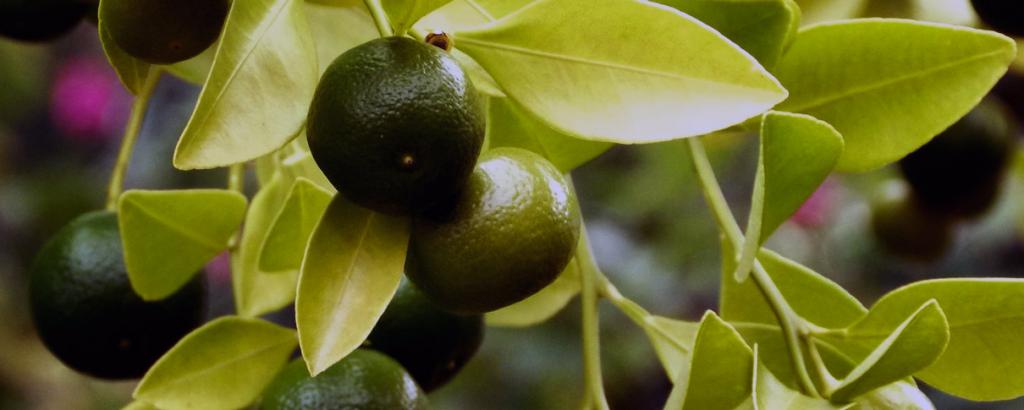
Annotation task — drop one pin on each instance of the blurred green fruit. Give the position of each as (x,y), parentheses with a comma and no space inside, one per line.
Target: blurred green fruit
(86,312)
(432,344)
(514,229)
(164,31)
(364,380)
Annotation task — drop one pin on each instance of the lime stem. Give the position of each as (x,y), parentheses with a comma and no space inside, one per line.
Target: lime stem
(380,17)
(590,329)
(791,323)
(131,134)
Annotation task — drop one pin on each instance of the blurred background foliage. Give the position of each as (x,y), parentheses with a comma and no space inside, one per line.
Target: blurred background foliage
(62,111)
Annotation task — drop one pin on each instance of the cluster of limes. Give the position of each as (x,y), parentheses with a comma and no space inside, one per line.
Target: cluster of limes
(82,303)
(397,126)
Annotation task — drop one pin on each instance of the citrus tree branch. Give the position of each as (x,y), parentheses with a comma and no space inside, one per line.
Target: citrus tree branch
(591,331)
(789,321)
(131,134)
(380,18)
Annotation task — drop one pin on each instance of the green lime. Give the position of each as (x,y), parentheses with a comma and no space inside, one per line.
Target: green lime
(1004,16)
(164,31)
(514,229)
(432,344)
(86,312)
(396,126)
(904,228)
(364,380)
(960,171)
(39,20)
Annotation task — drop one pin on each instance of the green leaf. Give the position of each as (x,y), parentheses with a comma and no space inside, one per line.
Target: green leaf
(222,365)
(797,153)
(912,346)
(509,125)
(404,13)
(892,85)
(673,342)
(259,88)
(545,57)
(900,395)
(814,297)
(196,224)
(465,14)
(761,27)
(350,272)
(817,11)
(986,326)
(286,240)
(720,369)
(131,71)
(338,27)
(542,305)
(771,394)
(257,292)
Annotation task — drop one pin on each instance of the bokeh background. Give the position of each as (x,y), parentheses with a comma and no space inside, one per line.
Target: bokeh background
(62,112)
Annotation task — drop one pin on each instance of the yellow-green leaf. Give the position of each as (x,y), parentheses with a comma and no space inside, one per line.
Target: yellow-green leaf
(350,272)
(551,58)
(404,13)
(888,85)
(259,88)
(257,292)
(762,27)
(771,394)
(223,365)
(286,240)
(196,69)
(509,125)
(338,27)
(719,372)
(912,346)
(673,342)
(797,153)
(196,224)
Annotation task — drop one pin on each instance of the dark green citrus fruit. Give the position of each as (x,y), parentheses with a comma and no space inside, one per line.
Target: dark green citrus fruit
(39,20)
(959,171)
(364,380)
(86,312)
(431,343)
(514,229)
(1001,15)
(164,31)
(396,126)
(904,228)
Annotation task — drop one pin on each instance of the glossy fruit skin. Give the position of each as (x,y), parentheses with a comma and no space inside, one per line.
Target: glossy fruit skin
(39,20)
(396,125)
(432,344)
(86,312)
(365,380)
(164,31)
(959,172)
(905,229)
(1004,16)
(513,231)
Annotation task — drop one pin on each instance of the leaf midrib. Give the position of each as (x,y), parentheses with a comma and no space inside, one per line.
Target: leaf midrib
(596,63)
(333,330)
(256,40)
(852,92)
(198,238)
(193,375)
